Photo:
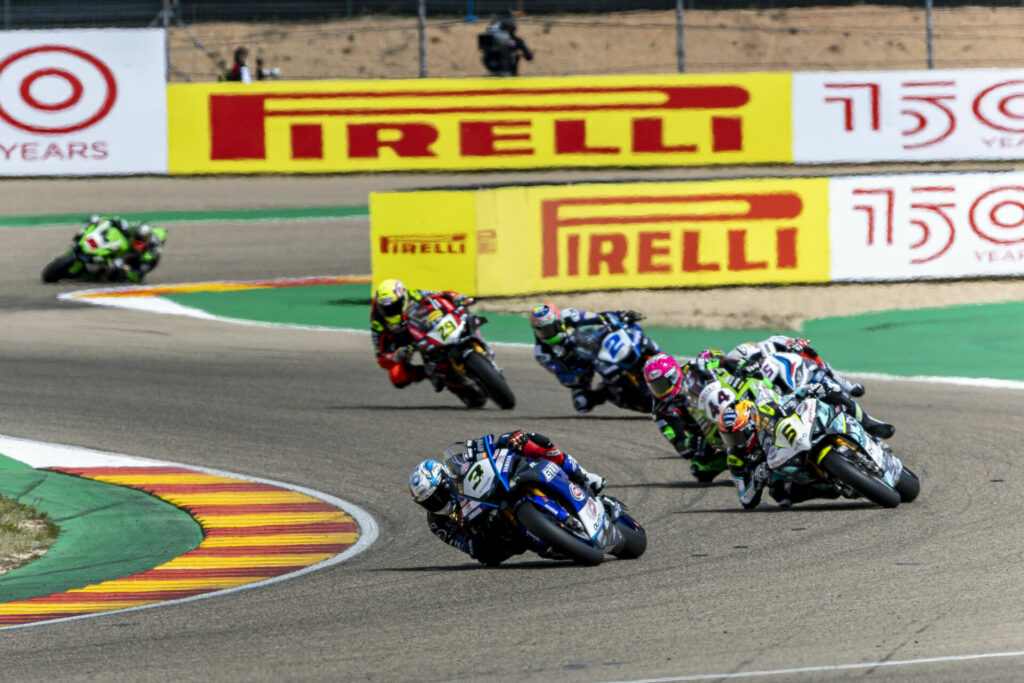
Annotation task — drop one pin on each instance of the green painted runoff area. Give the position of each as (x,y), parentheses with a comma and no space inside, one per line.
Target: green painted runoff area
(106,531)
(200,216)
(950,341)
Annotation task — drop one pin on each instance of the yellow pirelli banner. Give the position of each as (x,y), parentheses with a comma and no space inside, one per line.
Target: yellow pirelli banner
(467,124)
(521,240)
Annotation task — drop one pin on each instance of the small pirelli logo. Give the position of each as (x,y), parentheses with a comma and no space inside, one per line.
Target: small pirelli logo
(453,243)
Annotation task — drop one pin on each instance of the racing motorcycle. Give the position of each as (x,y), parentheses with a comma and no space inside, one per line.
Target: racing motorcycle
(618,351)
(96,250)
(457,356)
(546,512)
(818,445)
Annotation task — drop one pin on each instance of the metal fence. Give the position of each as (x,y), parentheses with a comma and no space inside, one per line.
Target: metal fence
(15,14)
(316,39)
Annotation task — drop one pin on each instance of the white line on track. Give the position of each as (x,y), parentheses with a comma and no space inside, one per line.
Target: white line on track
(828,667)
(42,454)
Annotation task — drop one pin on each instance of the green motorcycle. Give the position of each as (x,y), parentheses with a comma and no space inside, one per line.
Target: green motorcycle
(106,250)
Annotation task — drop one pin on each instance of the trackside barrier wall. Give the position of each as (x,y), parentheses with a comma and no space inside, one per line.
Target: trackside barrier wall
(522,240)
(82,102)
(478,123)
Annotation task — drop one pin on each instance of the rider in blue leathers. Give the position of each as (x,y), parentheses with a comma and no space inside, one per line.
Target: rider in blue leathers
(555,350)
(488,538)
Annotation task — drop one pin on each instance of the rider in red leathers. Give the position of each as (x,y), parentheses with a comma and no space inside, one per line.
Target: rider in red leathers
(389,329)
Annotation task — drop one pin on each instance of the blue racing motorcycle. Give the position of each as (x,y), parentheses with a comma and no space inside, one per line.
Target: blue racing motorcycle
(554,517)
(619,349)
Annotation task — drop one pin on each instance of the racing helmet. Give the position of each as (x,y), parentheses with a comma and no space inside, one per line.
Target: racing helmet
(430,485)
(737,423)
(390,299)
(663,375)
(141,236)
(547,324)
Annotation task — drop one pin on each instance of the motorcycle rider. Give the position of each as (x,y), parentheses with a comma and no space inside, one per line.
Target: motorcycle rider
(748,429)
(389,330)
(487,538)
(671,412)
(144,246)
(554,332)
(754,352)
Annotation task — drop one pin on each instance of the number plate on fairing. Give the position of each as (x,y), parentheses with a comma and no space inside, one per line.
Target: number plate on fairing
(445,329)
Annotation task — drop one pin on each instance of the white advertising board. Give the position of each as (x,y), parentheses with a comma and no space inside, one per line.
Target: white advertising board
(82,102)
(908,115)
(926,226)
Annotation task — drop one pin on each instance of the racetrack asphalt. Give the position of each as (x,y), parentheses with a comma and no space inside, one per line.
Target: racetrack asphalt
(719,591)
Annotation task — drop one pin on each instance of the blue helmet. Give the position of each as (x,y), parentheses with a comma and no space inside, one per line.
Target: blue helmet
(430,485)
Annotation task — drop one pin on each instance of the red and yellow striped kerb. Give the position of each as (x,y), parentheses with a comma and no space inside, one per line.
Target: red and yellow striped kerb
(251,532)
(160,290)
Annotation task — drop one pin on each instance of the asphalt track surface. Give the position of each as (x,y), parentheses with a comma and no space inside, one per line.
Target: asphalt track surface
(720,591)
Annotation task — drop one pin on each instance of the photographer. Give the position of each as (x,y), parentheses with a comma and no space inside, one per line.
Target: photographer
(500,47)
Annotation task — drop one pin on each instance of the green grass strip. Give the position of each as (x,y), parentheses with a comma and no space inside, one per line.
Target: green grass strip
(201,216)
(106,532)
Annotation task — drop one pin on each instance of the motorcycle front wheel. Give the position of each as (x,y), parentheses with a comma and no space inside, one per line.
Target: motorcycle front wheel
(57,269)
(871,487)
(560,540)
(908,486)
(636,540)
(491,380)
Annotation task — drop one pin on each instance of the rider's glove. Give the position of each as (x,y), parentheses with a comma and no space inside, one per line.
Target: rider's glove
(516,440)
(630,317)
(748,368)
(403,353)
(463,300)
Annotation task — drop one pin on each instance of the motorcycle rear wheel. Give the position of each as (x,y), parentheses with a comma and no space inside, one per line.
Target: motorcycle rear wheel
(493,383)
(58,268)
(908,486)
(560,540)
(872,488)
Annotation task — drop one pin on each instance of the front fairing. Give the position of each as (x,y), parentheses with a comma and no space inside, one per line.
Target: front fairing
(97,242)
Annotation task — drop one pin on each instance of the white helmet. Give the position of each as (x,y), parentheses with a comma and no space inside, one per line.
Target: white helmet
(430,485)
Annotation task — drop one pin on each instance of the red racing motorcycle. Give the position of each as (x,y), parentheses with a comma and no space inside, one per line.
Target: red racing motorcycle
(455,354)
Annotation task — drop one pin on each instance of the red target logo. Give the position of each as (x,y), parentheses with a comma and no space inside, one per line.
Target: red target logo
(55,89)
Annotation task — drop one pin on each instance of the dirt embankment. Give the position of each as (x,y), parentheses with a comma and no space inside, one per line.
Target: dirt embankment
(822,38)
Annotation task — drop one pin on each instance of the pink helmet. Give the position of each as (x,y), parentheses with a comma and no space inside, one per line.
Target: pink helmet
(663,376)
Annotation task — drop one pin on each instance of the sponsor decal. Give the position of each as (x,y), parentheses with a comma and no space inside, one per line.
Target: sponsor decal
(576,492)
(550,471)
(928,225)
(676,234)
(908,115)
(470,123)
(63,108)
(423,244)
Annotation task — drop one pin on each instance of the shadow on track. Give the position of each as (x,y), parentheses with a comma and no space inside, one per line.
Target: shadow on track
(507,565)
(676,485)
(799,507)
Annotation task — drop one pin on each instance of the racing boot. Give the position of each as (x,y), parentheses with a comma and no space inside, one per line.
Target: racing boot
(584,400)
(705,468)
(579,476)
(883,430)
